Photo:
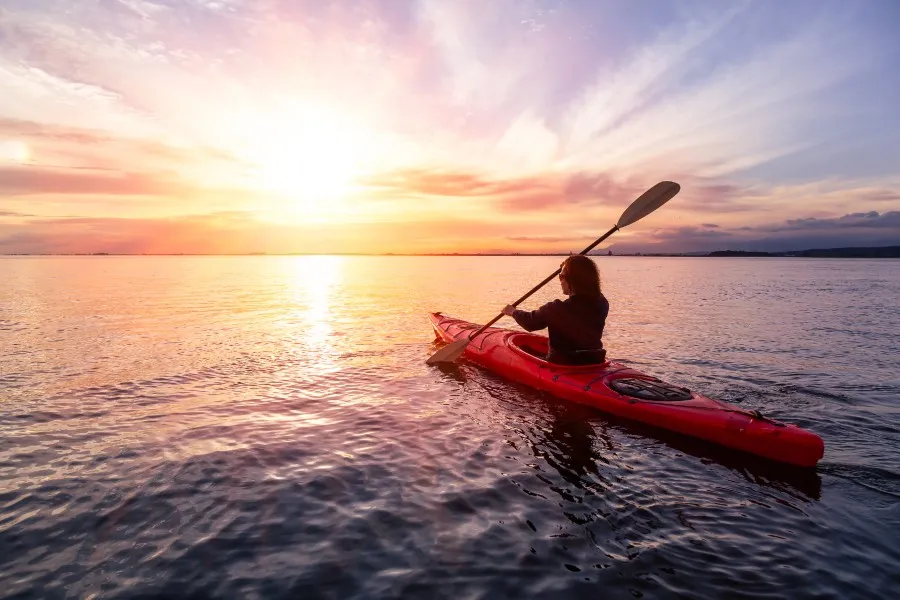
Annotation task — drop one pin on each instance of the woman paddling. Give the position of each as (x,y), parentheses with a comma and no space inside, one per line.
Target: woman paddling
(574,325)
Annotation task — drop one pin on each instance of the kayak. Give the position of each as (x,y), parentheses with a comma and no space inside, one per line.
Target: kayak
(628,393)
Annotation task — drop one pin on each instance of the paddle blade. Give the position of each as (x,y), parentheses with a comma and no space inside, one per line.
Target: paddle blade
(649,201)
(449,353)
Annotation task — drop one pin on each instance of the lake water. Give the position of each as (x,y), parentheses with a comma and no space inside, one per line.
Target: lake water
(263,427)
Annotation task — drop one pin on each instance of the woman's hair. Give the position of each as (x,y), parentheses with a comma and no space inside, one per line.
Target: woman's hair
(582,275)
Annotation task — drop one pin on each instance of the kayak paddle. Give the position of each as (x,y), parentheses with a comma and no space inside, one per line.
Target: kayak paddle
(649,201)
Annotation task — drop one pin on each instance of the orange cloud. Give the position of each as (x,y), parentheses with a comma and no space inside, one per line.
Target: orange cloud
(531,193)
(26,180)
(210,234)
(241,232)
(57,146)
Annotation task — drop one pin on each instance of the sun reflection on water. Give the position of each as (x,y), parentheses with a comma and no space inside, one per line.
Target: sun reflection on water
(313,281)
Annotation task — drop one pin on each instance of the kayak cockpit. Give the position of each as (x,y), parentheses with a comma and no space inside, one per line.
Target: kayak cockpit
(534,348)
(529,345)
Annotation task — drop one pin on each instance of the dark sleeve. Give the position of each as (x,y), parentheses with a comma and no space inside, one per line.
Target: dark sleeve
(534,320)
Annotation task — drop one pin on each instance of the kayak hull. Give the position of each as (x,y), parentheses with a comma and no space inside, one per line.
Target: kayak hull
(510,354)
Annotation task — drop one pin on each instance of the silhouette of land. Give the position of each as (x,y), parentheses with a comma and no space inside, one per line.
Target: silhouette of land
(877,252)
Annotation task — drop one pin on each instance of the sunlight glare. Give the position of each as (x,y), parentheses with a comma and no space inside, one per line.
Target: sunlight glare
(308,164)
(14,151)
(313,279)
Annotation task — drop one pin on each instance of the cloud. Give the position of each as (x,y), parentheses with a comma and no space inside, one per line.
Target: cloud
(589,185)
(143,8)
(33,94)
(523,194)
(720,95)
(871,219)
(33,130)
(197,234)
(709,197)
(240,232)
(441,183)
(80,146)
(854,229)
(606,105)
(545,238)
(27,180)
(879,196)
(482,52)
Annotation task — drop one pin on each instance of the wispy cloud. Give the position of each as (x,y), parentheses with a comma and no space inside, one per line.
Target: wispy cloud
(27,181)
(533,193)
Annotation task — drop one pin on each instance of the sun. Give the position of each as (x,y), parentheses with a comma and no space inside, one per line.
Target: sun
(14,151)
(314,166)
(308,165)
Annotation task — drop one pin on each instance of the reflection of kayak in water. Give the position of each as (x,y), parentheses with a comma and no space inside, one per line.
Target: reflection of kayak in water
(625,392)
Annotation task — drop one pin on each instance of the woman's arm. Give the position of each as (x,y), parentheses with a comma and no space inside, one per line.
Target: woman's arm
(532,320)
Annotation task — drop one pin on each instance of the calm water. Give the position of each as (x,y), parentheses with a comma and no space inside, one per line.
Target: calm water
(266,427)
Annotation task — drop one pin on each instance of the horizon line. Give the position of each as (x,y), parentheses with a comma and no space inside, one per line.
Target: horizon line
(694,254)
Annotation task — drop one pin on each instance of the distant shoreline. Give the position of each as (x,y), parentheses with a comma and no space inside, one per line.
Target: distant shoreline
(853,252)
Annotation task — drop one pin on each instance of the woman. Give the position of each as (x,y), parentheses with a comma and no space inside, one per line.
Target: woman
(575,325)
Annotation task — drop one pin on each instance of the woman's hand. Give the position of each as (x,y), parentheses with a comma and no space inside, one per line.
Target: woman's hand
(508,310)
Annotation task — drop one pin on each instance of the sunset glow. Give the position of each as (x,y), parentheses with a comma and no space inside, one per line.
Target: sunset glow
(13,151)
(433,126)
(306,164)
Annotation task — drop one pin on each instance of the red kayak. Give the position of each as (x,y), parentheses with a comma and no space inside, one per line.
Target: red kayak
(622,391)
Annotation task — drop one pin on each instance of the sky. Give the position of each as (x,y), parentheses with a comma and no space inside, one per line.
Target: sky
(326,126)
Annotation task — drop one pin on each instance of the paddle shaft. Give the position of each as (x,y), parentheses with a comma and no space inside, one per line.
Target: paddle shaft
(543,283)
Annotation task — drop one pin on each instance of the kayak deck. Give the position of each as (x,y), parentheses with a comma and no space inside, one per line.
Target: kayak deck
(617,389)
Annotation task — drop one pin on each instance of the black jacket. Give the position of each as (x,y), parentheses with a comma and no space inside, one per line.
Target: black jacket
(574,327)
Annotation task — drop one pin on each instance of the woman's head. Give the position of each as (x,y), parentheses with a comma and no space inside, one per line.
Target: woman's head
(579,274)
